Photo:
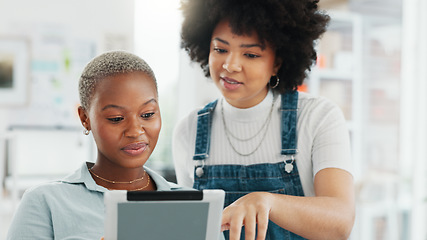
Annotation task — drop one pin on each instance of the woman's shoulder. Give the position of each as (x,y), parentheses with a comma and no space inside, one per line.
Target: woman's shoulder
(190,116)
(318,109)
(311,103)
(312,100)
(187,123)
(57,189)
(193,114)
(41,188)
(41,193)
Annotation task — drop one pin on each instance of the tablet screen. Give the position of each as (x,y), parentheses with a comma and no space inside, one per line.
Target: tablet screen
(188,221)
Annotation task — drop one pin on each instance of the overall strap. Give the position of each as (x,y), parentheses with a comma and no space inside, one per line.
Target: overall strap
(289,122)
(288,108)
(204,126)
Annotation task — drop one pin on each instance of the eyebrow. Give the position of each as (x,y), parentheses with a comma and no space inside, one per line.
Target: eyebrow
(153,100)
(241,45)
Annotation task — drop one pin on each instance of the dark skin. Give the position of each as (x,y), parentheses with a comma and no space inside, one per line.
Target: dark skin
(124,118)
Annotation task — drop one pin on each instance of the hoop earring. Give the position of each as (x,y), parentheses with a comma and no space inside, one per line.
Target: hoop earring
(277,82)
(86,132)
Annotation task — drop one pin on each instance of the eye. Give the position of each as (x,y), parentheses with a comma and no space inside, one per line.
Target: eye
(115,119)
(147,115)
(250,55)
(219,50)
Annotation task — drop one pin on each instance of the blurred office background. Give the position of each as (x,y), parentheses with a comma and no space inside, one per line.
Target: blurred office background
(371,63)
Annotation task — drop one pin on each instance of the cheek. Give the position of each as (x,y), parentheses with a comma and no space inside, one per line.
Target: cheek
(264,72)
(154,129)
(101,136)
(211,57)
(271,66)
(105,135)
(214,63)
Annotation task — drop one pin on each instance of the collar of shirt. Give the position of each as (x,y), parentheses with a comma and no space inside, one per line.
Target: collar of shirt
(82,176)
(245,115)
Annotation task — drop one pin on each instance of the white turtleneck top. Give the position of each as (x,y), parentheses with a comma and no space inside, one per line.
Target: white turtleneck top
(322,138)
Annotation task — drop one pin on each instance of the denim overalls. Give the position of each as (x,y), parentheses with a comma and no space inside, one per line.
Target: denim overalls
(238,180)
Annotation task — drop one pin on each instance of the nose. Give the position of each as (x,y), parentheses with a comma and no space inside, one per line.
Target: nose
(232,64)
(134,128)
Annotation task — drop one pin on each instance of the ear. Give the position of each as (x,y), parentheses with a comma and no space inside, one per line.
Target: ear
(84,117)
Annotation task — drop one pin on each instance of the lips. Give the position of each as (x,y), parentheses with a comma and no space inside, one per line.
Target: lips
(230,83)
(135,148)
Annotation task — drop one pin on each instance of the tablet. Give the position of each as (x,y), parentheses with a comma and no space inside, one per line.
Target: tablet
(190,215)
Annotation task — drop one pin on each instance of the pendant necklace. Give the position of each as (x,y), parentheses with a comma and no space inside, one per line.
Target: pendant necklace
(228,133)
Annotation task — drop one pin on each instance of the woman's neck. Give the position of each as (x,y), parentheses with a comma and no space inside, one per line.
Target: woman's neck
(119,178)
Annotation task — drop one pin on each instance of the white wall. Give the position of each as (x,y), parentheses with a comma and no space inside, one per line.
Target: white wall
(61,33)
(63,37)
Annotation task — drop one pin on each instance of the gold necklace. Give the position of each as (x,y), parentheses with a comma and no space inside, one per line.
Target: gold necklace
(114,182)
(146,185)
(138,189)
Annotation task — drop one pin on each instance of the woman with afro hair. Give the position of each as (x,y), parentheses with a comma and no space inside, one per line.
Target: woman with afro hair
(282,156)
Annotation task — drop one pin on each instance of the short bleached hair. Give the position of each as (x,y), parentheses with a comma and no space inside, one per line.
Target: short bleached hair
(106,65)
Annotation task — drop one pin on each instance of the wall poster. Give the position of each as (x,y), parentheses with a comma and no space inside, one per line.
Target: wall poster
(14,71)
